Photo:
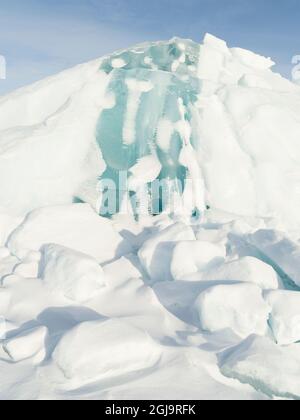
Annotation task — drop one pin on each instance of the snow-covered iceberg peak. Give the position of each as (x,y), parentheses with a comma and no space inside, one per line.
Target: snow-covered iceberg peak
(213,124)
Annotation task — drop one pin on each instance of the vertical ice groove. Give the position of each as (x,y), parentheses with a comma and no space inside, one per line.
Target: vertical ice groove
(135,90)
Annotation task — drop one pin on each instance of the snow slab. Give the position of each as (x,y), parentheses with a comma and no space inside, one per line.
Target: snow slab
(171,110)
(115,349)
(77,276)
(239,307)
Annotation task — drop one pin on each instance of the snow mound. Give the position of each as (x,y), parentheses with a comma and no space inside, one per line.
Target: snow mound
(77,276)
(74,226)
(7,224)
(269,368)
(247,269)
(193,256)
(155,106)
(239,307)
(114,348)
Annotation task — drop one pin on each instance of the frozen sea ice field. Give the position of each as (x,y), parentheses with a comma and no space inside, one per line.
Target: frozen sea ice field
(150,229)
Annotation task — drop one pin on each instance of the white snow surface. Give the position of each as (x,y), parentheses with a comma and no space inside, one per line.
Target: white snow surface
(122,307)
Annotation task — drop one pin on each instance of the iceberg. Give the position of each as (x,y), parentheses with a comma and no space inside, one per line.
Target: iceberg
(275,375)
(171,126)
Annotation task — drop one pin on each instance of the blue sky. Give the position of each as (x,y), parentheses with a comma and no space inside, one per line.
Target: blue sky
(41,37)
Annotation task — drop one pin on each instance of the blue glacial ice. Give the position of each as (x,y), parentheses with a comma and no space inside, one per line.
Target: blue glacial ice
(155,89)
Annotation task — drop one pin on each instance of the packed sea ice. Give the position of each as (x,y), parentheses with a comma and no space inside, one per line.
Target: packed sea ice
(150,228)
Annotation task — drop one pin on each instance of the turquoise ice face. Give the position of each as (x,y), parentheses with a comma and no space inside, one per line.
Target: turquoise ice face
(176,56)
(147,83)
